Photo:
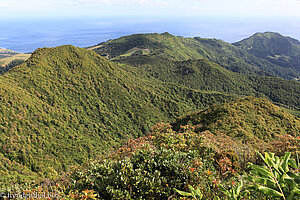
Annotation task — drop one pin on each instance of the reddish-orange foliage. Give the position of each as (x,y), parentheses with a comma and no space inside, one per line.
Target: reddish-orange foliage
(131,146)
(286,143)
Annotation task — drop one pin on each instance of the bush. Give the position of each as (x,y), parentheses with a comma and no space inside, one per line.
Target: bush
(148,174)
(150,167)
(276,178)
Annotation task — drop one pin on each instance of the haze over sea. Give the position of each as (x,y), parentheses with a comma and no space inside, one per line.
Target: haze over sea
(28,34)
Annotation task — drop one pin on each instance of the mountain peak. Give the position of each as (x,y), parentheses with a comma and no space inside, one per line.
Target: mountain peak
(274,47)
(267,34)
(64,58)
(167,34)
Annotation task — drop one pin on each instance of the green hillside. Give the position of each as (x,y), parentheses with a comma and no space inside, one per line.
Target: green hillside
(66,105)
(207,150)
(152,113)
(248,118)
(178,48)
(203,74)
(278,49)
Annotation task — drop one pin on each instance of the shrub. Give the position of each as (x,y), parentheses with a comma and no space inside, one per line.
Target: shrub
(276,179)
(148,174)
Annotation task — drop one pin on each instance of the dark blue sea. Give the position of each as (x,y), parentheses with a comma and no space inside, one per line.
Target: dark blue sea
(28,34)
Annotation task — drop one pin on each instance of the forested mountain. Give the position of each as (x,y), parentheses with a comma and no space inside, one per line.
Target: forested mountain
(166,45)
(203,74)
(65,105)
(278,49)
(192,110)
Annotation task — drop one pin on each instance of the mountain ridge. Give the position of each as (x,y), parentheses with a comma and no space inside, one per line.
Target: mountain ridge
(177,48)
(65,105)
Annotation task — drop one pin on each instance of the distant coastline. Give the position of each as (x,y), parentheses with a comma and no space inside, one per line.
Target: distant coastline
(27,35)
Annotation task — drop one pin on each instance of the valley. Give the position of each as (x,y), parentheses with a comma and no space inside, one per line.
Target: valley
(146,115)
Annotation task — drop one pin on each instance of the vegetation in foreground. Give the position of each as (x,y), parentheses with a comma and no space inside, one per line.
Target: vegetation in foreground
(171,161)
(168,164)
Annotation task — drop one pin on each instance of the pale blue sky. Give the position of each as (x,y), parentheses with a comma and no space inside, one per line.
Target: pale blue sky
(23,8)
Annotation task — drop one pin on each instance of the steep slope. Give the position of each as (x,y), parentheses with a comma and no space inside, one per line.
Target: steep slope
(203,74)
(178,48)
(278,49)
(66,105)
(249,118)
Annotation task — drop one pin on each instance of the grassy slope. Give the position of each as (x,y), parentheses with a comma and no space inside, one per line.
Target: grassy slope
(5,61)
(6,53)
(66,105)
(178,48)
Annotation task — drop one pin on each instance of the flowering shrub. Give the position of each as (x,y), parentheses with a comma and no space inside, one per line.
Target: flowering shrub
(151,166)
(286,143)
(148,174)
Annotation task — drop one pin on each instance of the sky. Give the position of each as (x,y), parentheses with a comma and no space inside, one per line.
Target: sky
(59,8)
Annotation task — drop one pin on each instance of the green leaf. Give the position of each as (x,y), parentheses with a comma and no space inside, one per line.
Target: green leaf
(260,155)
(244,193)
(285,163)
(239,188)
(262,171)
(186,194)
(296,190)
(291,196)
(264,181)
(288,180)
(269,159)
(292,163)
(269,191)
(198,193)
(295,176)
(226,192)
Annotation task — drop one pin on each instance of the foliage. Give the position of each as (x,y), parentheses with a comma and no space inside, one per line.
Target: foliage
(236,192)
(10,65)
(165,45)
(148,174)
(250,119)
(185,64)
(276,178)
(66,105)
(151,167)
(195,193)
(84,195)
(278,49)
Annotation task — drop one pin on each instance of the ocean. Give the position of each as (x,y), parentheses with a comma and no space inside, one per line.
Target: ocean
(26,35)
